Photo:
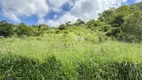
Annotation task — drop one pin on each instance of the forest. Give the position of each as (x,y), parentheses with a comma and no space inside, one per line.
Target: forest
(109,48)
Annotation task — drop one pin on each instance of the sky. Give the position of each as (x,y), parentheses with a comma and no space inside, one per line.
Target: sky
(55,12)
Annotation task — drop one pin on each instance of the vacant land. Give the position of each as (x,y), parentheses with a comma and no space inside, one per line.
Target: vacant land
(42,58)
(109,48)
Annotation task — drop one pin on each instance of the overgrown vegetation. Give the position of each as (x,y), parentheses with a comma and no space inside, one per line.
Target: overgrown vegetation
(105,49)
(123,24)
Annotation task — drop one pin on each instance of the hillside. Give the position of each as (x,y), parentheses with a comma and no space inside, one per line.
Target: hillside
(108,48)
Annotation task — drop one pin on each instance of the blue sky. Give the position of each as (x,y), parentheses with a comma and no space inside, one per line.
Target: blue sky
(55,12)
(129,2)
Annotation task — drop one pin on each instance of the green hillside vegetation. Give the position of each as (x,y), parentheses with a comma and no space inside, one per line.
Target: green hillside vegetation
(108,48)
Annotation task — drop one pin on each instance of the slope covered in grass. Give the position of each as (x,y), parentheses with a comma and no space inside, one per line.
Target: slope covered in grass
(47,58)
(108,48)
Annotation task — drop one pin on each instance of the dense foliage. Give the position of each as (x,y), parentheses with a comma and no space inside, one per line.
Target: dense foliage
(132,28)
(6,29)
(93,50)
(123,23)
(22,29)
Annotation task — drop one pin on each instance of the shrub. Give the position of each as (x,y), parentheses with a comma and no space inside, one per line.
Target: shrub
(6,29)
(57,32)
(62,27)
(24,30)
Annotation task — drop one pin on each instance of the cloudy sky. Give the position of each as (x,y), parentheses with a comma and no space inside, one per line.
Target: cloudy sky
(55,12)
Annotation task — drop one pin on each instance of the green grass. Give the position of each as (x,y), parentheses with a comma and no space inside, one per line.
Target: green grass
(56,57)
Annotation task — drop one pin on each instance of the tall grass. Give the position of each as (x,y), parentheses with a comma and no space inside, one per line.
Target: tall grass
(63,58)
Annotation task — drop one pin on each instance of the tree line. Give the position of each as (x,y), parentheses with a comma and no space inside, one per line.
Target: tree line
(9,29)
(123,23)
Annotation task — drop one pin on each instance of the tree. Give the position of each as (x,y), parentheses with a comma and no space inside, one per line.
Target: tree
(116,18)
(68,23)
(107,16)
(79,22)
(43,27)
(116,25)
(6,29)
(62,27)
(136,6)
(91,23)
(23,30)
(132,28)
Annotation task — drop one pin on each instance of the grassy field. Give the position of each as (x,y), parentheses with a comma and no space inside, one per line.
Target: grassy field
(55,57)
(109,48)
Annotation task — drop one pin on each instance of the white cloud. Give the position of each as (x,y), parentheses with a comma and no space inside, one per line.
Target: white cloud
(138,1)
(53,23)
(83,9)
(13,9)
(57,4)
(65,18)
(86,10)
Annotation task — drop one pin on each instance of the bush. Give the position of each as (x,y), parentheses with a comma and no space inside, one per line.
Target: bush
(57,32)
(24,30)
(62,27)
(6,29)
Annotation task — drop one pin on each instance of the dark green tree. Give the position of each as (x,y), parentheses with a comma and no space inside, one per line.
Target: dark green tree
(91,23)
(79,22)
(107,16)
(43,27)
(6,29)
(132,28)
(62,27)
(22,29)
(69,23)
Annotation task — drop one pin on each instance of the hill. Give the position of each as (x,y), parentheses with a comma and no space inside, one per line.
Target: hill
(108,48)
